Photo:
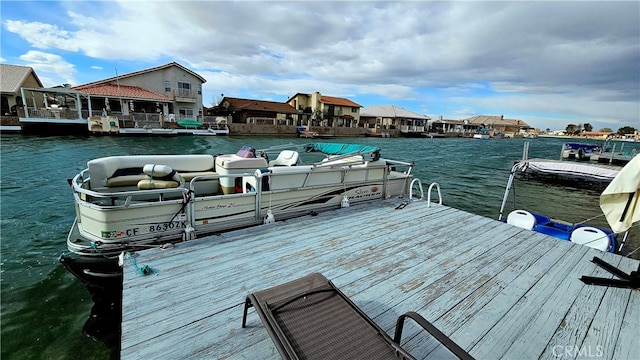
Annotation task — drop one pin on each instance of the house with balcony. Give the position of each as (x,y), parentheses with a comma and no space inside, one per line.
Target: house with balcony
(325,111)
(169,92)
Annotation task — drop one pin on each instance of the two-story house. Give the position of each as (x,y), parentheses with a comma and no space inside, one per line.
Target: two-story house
(321,110)
(171,90)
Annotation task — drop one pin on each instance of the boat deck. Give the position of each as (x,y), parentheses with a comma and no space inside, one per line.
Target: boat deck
(497,290)
(584,162)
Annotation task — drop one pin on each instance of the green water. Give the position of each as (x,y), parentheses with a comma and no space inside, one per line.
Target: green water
(44,308)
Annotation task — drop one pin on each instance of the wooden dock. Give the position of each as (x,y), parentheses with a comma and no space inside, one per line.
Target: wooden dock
(497,290)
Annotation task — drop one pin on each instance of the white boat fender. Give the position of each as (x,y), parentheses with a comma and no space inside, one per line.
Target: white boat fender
(269,218)
(345,201)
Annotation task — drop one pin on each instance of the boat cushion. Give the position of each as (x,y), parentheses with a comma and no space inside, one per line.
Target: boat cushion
(125,180)
(150,183)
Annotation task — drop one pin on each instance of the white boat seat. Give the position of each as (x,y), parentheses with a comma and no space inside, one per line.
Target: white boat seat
(285,158)
(590,236)
(522,219)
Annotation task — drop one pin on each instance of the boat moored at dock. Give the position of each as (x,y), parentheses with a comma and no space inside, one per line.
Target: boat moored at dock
(127,203)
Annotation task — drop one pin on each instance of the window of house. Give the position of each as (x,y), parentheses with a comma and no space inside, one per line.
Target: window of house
(167,86)
(199,89)
(184,89)
(185,113)
(354,109)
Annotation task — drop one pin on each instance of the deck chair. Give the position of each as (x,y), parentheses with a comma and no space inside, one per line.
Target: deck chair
(310,318)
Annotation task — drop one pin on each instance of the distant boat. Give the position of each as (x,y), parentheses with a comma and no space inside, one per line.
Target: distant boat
(481,136)
(580,151)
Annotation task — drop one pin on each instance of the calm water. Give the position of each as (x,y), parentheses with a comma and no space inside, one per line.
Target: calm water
(44,308)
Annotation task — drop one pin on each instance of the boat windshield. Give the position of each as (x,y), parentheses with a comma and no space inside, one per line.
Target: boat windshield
(246,152)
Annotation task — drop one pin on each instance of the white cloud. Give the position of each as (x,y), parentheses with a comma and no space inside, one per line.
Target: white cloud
(572,58)
(46,63)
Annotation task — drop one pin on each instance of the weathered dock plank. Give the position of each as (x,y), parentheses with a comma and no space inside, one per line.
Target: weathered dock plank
(497,290)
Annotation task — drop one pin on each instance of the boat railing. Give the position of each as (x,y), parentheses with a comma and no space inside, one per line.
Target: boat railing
(125,198)
(121,199)
(183,200)
(418,184)
(394,164)
(437,186)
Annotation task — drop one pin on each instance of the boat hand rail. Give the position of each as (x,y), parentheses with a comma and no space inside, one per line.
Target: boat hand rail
(279,148)
(518,166)
(80,179)
(78,188)
(409,165)
(429,194)
(419,184)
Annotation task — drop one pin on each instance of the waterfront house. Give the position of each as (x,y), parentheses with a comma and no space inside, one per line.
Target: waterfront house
(12,78)
(256,112)
(325,111)
(166,93)
(498,125)
(392,117)
(459,128)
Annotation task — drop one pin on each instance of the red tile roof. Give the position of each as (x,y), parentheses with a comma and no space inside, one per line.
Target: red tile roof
(338,101)
(259,105)
(330,100)
(125,91)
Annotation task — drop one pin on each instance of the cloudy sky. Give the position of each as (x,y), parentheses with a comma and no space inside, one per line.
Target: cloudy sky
(548,63)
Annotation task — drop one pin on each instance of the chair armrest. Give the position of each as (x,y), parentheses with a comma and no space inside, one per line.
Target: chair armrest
(437,334)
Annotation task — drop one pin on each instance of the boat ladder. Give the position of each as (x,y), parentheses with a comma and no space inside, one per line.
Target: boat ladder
(418,183)
(429,194)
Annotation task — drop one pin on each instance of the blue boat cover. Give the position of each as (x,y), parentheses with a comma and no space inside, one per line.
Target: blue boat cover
(344,149)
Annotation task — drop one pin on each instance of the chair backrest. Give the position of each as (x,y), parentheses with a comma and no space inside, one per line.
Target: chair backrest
(590,236)
(285,158)
(311,318)
(522,219)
